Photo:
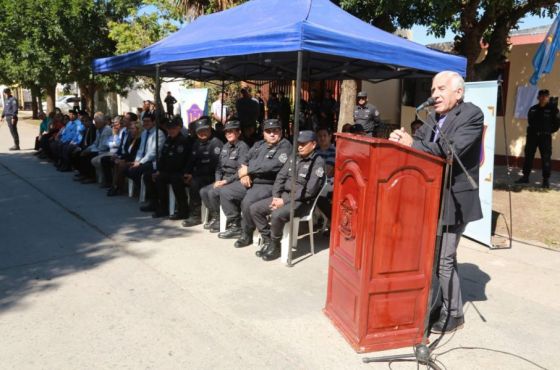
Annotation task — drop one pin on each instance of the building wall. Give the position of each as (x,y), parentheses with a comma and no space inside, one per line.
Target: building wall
(386,98)
(520,72)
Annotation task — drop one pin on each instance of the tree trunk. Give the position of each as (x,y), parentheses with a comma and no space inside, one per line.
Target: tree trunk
(348,92)
(51,97)
(35,94)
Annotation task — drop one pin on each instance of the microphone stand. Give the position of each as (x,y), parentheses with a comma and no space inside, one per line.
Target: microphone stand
(422,352)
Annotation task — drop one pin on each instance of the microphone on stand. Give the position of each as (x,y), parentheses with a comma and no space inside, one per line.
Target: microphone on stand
(428,103)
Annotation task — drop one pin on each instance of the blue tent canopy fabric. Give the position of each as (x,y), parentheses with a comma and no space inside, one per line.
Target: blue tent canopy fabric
(260,40)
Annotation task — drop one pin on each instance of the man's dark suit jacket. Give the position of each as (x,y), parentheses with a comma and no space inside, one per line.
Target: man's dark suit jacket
(463,127)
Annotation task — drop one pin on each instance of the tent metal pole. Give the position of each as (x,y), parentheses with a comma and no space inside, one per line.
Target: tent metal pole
(158,112)
(294,153)
(222,105)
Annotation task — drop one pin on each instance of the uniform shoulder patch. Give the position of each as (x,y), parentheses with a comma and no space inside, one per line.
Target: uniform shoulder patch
(283,158)
(320,171)
(217,150)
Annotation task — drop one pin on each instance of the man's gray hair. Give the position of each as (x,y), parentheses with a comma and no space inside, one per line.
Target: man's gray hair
(457,81)
(99,117)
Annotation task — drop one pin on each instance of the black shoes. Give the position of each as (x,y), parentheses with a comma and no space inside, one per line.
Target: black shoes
(192,221)
(265,245)
(245,240)
(207,225)
(159,213)
(178,216)
(273,251)
(523,180)
(15,147)
(215,226)
(448,324)
(233,232)
(545,184)
(149,207)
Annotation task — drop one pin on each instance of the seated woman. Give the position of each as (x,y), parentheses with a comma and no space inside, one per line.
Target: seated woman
(124,158)
(54,127)
(43,129)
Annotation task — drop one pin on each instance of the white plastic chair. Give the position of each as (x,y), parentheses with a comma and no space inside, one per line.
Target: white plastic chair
(307,218)
(223,220)
(130,188)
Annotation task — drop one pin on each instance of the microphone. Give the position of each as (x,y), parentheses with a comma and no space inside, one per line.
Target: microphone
(428,103)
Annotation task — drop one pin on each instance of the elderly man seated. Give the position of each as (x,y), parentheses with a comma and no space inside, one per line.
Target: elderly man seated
(310,172)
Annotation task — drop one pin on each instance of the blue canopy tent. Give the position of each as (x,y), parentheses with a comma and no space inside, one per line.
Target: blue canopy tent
(275,40)
(260,39)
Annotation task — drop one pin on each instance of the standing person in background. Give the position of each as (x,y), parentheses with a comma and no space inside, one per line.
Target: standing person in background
(247,109)
(273,106)
(542,122)
(219,110)
(170,101)
(366,115)
(462,124)
(10,115)
(284,113)
(259,99)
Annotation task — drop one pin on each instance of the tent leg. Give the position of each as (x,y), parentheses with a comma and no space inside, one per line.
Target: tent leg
(294,151)
(159,109)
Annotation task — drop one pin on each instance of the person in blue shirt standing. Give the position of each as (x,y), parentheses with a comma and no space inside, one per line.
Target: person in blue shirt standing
(10,115)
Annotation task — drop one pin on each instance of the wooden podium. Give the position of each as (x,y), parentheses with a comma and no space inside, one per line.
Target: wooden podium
(383,231)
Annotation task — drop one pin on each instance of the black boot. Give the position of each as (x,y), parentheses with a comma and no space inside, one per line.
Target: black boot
(273,251)
(213,217)
(245,240)
(232,232)
(523,180)
(193,220)
(264,246)
(545,184)
(215,226)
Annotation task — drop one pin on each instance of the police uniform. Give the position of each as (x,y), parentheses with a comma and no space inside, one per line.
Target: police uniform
(539,135)
(202,166)
(310,178)
(173,159)
(231,158)
(264,162)
(367,115)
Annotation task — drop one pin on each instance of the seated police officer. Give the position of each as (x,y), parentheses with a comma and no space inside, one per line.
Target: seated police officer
(264,161)
(201,167)
(233,154)
(173,159)
(310,170)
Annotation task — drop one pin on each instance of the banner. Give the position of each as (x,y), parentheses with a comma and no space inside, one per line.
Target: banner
(193,104)
(485,96)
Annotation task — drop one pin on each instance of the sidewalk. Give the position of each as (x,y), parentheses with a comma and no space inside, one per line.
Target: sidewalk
(88,281)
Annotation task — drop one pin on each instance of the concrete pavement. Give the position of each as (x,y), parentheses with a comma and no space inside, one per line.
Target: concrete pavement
(89,282)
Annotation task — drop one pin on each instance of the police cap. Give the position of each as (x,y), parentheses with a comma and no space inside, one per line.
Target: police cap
(203,123)
(362,94)
(232,125)
(357,128)
(271,123)
(306,136)
(175,122)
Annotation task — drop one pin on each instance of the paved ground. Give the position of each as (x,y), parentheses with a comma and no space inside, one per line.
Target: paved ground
(89,282)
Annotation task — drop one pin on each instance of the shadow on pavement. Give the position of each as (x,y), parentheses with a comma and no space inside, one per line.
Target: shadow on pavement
(51,227)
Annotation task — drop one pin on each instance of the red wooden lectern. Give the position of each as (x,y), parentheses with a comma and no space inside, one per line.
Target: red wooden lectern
(384,223)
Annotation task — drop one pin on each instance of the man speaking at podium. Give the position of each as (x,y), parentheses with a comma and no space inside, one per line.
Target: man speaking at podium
(461,124)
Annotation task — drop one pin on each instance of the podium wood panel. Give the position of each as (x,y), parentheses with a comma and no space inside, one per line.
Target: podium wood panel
(383,229)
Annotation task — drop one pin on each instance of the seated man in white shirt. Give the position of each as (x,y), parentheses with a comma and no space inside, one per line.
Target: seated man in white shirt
(144,163)
(219,110)
(103,132)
